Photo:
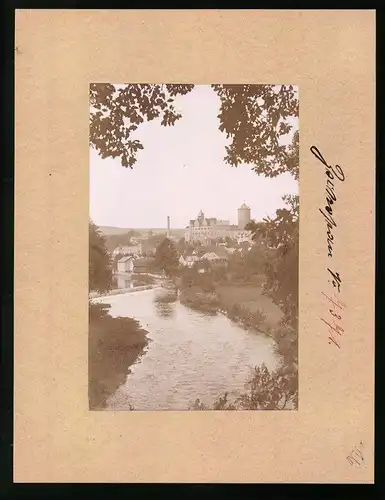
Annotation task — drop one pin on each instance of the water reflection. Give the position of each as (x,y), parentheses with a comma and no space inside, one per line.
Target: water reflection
(122,281)
(192,355)
(163,300)
(164,310)
(162,297)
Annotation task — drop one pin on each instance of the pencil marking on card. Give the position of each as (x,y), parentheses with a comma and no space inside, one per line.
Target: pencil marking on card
(356,457)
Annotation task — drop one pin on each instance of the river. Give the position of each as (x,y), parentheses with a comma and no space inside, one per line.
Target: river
(190,356)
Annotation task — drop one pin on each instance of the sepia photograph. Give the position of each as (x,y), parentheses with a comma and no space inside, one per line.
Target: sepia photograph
(193,247)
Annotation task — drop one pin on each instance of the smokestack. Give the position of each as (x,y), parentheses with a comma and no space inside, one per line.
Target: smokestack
(168,226)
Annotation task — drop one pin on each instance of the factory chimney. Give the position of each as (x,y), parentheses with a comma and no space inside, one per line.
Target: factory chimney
(168,226)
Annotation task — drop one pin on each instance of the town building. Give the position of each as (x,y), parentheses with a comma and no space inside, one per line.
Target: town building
(125,265)
(188,258)
(212,254)
(127,250)
(214,258)
(203,229)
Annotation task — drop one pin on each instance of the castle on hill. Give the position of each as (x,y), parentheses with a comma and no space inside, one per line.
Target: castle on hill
(203,228)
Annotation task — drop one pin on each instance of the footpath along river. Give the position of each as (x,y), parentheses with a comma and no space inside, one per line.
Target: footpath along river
(191,355)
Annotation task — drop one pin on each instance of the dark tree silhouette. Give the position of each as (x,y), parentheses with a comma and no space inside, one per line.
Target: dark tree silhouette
(100,272)
(166,257)
(117,112)
(253,117)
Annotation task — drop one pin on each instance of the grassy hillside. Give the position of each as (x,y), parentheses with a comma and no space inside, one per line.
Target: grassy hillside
(108,230)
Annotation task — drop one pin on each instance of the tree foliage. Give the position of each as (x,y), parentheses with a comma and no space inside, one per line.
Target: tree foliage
(255,118)
(166,257)
(100,269)
(248,266)
(281,270)
(270,391)
(265,390)
(182,245)
(117,112)
(281,233)
(114,240)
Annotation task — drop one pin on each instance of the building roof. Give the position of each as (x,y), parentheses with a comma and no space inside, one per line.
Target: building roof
(143,262)
(220,251)
(210,221)
(189,253)
(213,256)
(125,259)
(244,207)
(126,247)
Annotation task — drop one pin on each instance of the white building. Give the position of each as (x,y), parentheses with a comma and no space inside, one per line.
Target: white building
(204,229)
(127,250)
(188,259)
(125,265)
(244,237)
(214,258)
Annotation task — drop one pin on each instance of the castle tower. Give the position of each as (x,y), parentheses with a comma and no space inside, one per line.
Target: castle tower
(243,216)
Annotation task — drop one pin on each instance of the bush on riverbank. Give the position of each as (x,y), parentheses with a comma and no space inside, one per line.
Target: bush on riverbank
(165,297)
(265,391)
(138,283)
(197,298)
(114,344)
(249,299)
(240,314)
(145,279)
(286,339)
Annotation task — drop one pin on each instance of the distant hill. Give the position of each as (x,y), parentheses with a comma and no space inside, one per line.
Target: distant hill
(122,236)
(109,230)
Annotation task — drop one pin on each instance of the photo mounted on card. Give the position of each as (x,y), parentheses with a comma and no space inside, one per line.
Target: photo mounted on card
(193,309)
(194,281)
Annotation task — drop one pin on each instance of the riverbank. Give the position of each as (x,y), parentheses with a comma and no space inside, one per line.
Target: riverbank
(248,305)
(198,299)
(118,291)
(243,304)
(191,355)
(122,341)
(114,344)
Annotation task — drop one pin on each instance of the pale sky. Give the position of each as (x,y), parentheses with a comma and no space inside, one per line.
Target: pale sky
(179,172)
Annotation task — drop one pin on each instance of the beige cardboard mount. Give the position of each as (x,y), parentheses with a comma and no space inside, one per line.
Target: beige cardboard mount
(330,55)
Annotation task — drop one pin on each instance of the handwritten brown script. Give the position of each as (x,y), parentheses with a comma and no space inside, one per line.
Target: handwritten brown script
(333,319)
(332,174)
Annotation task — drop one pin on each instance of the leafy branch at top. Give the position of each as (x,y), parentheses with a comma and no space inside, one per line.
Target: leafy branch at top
(117,111)
(254,117)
